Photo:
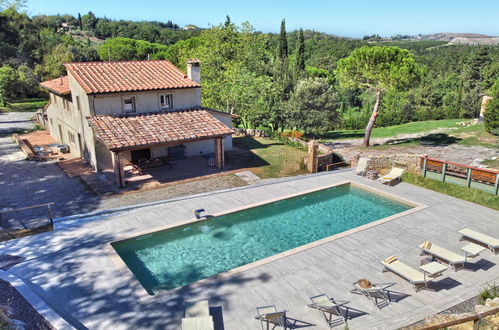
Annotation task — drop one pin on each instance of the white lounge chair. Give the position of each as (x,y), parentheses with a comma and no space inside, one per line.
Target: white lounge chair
(393,175)
(361,167)
(438,252)
(413,276)
(491,242)
(269,315)
(197,316)
(326,305)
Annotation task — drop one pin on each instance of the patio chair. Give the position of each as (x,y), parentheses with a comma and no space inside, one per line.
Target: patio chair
(394,175)
(438,252)
(361,167)
(491,242)
(413,276)
(373,291)
(268,315)
(197,316)
(326,306)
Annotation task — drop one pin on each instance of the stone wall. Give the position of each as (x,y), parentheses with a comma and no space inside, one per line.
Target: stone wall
(411,162)
(251,132)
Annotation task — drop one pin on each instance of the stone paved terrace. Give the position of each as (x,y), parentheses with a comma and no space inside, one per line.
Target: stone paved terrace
(71,269)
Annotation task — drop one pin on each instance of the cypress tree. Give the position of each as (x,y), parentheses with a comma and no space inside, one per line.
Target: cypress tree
(282,52)
(300,55)
(79,21)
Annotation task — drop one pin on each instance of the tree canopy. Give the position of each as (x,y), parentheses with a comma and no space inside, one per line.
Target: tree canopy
(378,69)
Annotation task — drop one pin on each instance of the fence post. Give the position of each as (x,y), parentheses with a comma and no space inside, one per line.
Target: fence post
(496,185)
(444,169)
(468,178)
(424,167)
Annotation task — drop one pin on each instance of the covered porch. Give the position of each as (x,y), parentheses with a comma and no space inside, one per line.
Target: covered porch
(160,147)
(137,167)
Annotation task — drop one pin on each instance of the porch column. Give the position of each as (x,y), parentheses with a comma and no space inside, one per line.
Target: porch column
(118,169)
(219,152)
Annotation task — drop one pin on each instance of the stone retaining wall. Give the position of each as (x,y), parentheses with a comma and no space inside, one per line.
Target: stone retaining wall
(411,162)
(251,132)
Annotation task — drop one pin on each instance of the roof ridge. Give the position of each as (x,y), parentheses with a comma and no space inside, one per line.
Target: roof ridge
(123,61)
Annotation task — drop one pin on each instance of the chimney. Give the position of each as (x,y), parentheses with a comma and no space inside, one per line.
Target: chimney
(193,70)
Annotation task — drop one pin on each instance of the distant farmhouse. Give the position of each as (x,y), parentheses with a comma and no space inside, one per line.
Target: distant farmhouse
(130,112)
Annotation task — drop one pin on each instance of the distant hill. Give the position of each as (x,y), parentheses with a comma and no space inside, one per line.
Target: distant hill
(463,38)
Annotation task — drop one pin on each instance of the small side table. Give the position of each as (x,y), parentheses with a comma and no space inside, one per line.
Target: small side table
(432,270)
(372,175)
(472,250)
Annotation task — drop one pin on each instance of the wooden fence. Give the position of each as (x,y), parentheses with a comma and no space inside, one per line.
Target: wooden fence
(469,173)
(476,319)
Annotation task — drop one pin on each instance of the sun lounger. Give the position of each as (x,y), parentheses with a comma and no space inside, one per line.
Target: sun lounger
(491,242)
(373,292)
(413,276)
(438,252)
(268,315)
(197,316)
(395,174)
(326,306)
(361,167)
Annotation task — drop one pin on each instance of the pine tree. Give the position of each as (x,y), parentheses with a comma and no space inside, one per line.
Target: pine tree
(300,55)
(282,51)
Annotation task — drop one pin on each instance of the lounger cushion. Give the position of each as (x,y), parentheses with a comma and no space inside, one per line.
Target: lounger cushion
(482,238)
(406,271)
(443,253)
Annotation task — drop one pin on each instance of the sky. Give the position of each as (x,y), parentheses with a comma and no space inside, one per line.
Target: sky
(349,18)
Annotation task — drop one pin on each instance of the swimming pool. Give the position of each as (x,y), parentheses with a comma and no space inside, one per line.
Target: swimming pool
(182,255)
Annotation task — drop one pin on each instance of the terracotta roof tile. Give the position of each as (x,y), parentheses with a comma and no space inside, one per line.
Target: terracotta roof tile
(123,132)
(123,76)
(58,85)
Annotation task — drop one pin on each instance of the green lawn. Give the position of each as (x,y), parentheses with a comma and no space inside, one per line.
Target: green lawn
(270,158)
(392,131)
(471,195)
(24,105)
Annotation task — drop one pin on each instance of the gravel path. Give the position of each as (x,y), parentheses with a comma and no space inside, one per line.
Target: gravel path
(11,122)
(153,195)
(19,311)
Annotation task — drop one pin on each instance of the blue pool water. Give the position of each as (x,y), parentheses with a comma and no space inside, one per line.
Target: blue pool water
(175,257)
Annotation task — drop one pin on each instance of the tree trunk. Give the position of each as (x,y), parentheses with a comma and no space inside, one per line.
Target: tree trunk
(372,120)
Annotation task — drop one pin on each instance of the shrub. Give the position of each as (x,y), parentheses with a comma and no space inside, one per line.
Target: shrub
(490,292)
(292,133)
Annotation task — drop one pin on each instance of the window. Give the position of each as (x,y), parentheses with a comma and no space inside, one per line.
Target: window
(166,101)
(129,103)
(78,107)
(71,138)
(66,104)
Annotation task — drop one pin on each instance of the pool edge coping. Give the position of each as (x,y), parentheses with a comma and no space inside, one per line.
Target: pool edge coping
(144,296)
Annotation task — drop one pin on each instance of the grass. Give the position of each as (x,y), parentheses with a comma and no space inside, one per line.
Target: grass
(474,135)
(24,105)
(392,131)
(270,158)
(492,163)
(467,194)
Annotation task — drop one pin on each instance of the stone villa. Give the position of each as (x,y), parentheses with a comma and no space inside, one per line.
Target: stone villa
(130,112)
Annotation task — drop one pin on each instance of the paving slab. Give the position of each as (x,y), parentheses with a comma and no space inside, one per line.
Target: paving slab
(72,270)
